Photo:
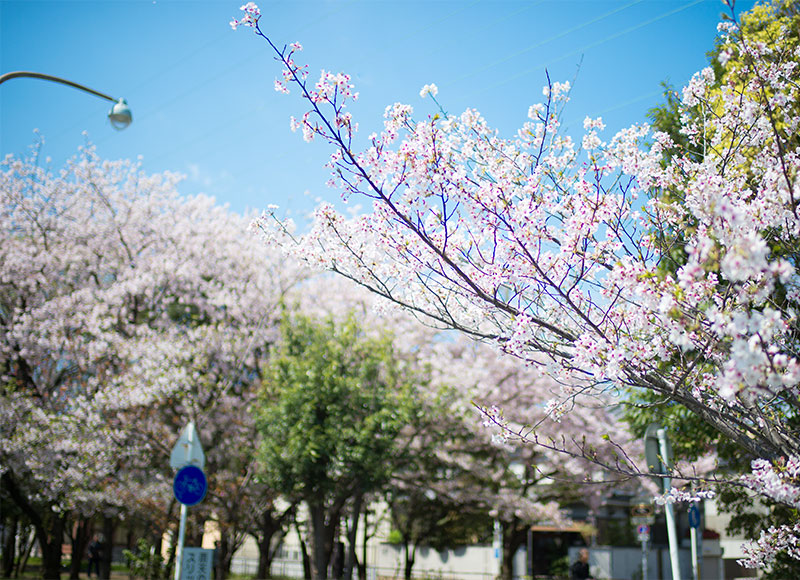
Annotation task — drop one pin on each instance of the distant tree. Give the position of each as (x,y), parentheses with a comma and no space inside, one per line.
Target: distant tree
(520,484)
(462,475)
(423,496)
(333,403)
(125,311)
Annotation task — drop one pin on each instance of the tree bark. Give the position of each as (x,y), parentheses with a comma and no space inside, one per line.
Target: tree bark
(79,541)
(507,564)
(49,528)
(264,555)
(270,528)
(11,526)
(514,535)
(323,526)
(352,532)
(306,559)
(109,525)
(224,555)
(24,553)
(410,557)
(50,541)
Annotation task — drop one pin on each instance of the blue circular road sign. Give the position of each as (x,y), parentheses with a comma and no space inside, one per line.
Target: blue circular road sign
(190,485)
(694,516)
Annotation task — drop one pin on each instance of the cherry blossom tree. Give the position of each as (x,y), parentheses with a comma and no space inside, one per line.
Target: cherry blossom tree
(126,311)
(423,497)
(519,484)
(552,247)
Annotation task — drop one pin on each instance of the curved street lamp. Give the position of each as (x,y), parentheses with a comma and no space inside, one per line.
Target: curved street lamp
(120,114)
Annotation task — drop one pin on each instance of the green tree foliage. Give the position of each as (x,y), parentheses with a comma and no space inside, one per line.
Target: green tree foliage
(333,404)
(145,562)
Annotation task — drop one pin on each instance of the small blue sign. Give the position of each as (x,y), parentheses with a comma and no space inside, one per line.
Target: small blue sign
(190,485)
(694,516)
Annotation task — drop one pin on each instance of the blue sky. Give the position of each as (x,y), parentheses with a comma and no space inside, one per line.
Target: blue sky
(202,94)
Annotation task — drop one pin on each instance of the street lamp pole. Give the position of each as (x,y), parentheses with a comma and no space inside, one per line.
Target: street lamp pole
(120,114)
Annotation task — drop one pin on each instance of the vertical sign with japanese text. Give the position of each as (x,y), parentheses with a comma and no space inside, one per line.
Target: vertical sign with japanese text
(197,564)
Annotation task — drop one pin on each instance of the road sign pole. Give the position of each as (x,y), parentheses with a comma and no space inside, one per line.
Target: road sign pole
(190,483)
(642,517)
(497,544)
(644,536)
(644,557)
(669,509)
(181,537)
(694,523)
(695,567)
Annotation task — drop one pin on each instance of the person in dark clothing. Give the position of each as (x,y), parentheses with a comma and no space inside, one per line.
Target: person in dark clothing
(95,552)
(580,568)
(215,562)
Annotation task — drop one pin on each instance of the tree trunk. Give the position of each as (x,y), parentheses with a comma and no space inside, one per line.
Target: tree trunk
(50,543)
(79,541)
(514,535)
(224,555)
(26,543)
(10,528)
(270,528)
(264,556)
(108,546)
(410,557)
(507,564)
(306,559)
(49,527)
(350,559)
(323,526)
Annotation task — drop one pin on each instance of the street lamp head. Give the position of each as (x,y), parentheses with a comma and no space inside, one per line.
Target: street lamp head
(120,115)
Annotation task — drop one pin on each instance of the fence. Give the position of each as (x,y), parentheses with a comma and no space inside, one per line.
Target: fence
(385,562)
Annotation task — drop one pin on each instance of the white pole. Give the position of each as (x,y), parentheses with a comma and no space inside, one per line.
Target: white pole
(672,534)
(181,536)
(695,567)
(644,558)
(497,543)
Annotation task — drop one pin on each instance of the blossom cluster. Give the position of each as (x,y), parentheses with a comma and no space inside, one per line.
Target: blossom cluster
(780,480)
(675,495)
(772,541)
(251,16)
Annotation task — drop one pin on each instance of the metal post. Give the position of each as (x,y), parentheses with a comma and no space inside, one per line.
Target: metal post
(530,552)
(181,537)
(497,543)
(184,509)
(693,539)
(119,115)
(34,75)
(669,510)
(644,558)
